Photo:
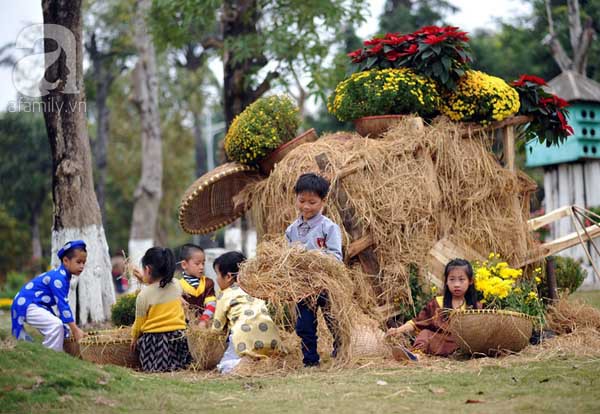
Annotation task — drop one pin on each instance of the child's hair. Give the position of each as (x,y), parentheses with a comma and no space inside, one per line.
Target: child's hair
(187,250)
(470,294)
(162,264)
(229,263)
(312,183)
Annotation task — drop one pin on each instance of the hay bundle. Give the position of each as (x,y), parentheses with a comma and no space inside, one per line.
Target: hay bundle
(408,190)
(207,347)
(567,316)
(284,275)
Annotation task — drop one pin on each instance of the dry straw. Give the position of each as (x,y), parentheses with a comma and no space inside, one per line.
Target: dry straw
(409,190)
(567,316)
(111,346)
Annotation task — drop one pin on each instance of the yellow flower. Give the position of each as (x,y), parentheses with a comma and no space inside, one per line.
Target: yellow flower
(434,290)
(538,280)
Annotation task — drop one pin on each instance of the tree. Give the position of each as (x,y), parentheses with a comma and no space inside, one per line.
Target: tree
(148,193)
(25,167)
(258,40)
(76,211)
(108,46)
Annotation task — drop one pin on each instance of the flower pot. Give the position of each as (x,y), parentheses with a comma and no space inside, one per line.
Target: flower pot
(375,126)
(267,164)
(490,331)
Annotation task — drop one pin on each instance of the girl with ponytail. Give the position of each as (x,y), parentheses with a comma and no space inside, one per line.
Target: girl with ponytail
(159,327)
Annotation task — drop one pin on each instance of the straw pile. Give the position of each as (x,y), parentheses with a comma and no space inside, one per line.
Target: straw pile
(284,275)
(410,189)
(567,316)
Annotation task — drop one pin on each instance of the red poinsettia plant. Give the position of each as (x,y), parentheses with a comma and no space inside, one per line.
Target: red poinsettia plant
(441,53)
(549,123)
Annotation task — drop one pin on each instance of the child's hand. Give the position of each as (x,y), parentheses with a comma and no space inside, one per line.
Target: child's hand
(137,272)
(133,345)
(78,334)
(394,332)
(203,324)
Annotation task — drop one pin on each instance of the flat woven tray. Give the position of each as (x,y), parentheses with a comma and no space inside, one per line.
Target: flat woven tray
(208,204)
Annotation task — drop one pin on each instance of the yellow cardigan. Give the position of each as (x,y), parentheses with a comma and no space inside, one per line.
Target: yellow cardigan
(158,309)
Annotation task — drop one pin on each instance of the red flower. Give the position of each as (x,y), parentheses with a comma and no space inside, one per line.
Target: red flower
(530,79)
(560,103)
(356,56)
(433,39)
(376,49)
(392,55)
(564,124)
(429,30)
(372,42)
(410,50)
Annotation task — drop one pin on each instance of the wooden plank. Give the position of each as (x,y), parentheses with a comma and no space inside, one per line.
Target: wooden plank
(344,172)
(560,244)
(358,246)
(367,258)
(541,221)
(508,133)
(471,128)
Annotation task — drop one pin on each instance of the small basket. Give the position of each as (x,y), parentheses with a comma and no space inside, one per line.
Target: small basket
(111,346)
(368,341)
(207,347)
(375,126)
(490,331)
(71,347)
(267,164)
(208,204)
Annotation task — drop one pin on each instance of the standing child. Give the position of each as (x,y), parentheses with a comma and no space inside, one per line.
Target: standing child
(33,304)
(431,324)
(198,290)
(159,327)
(314,231)
(251,330)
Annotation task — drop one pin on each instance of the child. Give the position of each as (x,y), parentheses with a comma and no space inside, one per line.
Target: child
(314,231)
(33,304)
(198,290)
(159,328)
(251,329)
(431,323)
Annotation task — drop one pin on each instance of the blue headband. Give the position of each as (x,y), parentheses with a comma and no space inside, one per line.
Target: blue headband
(75,244)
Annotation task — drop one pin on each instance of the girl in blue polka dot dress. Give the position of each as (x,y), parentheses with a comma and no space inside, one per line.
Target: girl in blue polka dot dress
(33,304)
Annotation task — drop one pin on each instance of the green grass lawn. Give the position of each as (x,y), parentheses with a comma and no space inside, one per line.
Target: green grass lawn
(36,380)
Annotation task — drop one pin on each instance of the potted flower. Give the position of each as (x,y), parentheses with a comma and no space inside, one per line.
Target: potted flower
(370,97)
(440,53)
(264,132)
(512,307)
(481,98)
(549,122)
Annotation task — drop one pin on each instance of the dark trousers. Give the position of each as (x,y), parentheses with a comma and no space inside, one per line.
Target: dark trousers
(306,327)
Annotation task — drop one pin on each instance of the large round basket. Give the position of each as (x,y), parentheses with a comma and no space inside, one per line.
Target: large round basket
(268,163)
(375,126)
(209,203)
(490,331)
(111,346)
(207,348)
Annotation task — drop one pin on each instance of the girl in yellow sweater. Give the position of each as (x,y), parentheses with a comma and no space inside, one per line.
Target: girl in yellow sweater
(159,327)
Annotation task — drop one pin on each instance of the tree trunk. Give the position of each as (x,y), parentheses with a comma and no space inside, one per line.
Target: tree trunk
(36,244)
(103,83)
(148,193)
(200,144)
(76,211)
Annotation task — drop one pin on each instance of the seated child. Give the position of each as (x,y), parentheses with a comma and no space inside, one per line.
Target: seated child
(431,324)
(251,330)
(198,290)
(314,231)
(33,304)
(159,328)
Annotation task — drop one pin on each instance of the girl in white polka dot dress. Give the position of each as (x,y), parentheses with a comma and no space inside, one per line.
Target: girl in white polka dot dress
(33,304)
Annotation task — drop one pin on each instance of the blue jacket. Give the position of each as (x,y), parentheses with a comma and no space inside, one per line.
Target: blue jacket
(318,233)
(46,290)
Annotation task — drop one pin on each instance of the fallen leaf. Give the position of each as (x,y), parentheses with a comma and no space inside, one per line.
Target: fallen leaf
(105,401)
(437,391)
(474,402)
(381,382)
(65,398)
(545,380)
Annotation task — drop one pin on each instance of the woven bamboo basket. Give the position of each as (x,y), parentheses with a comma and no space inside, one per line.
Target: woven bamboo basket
(207,348)
(111,346)
(268,163)
(375,126)
(368,341)
(490,331)
(71,347)
(209,203)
